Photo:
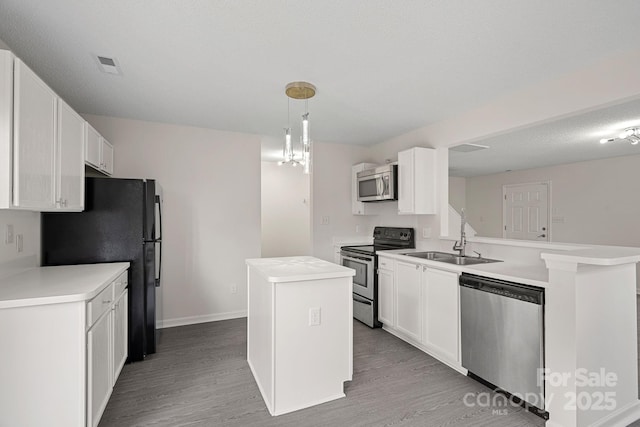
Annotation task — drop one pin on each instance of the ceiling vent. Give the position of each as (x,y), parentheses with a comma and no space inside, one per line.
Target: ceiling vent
(468,148)
(109,65)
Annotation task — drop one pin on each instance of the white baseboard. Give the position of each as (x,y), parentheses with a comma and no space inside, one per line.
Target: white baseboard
(192,320)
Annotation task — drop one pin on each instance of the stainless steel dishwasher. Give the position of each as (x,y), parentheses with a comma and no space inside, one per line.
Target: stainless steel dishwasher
(502,328)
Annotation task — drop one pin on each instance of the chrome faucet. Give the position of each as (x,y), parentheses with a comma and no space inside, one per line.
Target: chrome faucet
(461,245)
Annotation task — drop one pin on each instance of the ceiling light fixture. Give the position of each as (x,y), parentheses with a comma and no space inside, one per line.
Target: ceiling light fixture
(631,135)
(305,91)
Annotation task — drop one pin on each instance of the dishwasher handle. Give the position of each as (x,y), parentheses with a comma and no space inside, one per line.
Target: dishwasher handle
(525,293)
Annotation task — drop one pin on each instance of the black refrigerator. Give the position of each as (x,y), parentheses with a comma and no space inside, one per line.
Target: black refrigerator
(122,221)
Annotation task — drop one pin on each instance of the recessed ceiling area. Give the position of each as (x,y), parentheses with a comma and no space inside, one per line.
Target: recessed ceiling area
(383,68)
(567,140)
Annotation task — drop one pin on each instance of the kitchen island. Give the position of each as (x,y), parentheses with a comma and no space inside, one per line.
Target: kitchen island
(299,330)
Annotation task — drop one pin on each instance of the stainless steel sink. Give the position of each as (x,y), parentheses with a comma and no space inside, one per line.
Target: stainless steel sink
(451,258)
(432,255)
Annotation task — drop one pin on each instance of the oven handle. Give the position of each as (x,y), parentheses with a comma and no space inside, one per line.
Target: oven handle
(361,300)
(355,258)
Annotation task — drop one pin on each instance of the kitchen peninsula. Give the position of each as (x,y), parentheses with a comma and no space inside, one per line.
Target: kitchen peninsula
(299,330)
(590,337)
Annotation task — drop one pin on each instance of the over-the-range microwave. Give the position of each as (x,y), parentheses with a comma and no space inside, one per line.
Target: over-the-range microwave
(381,183)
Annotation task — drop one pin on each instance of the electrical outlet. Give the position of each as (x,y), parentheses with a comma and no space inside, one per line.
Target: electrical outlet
(8,235)
(325,220)
(426,232)
(233,288)
(357,228)
(19,243)
(314,316)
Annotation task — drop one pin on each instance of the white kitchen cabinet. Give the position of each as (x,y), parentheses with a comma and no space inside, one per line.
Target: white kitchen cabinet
(417,181)
(93,147)
(58,347)
(34,135)
(441,310)
(120,339)
(70,155)
(386,292)
(358,208)
(107,157)
(420,305)
(99,152)
(99,371)
(41,143)
(408,301)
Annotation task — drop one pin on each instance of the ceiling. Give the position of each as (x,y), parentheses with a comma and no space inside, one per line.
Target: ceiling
(382,67)
(568,140)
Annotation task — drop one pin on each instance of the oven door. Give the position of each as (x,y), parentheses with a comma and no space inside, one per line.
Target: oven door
(363,280)
(375,187)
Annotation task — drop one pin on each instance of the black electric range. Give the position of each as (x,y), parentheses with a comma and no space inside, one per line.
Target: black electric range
(363,259)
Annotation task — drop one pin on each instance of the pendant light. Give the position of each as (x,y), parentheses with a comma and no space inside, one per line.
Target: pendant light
(304,91)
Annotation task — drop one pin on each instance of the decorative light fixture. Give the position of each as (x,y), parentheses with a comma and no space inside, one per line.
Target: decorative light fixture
(631,135)
(305,91)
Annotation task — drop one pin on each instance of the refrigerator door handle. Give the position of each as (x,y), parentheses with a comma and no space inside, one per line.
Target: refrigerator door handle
(157,200)
(159,242)
(159,239)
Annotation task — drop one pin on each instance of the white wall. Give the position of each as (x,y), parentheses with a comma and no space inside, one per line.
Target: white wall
(286,211)
(27,224)
(605,82)
(211,185)
(331,196)
(597,201)
(457,192)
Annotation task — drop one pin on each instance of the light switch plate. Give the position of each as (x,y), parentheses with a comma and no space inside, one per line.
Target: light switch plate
(8,235)
(314,316)
(19,243)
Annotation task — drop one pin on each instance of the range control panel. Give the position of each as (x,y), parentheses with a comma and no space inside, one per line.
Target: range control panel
(401,236)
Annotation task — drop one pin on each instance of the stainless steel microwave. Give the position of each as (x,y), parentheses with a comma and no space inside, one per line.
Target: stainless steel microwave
(381,183)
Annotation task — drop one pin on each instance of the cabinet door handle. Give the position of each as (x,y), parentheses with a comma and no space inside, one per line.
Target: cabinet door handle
(106,301)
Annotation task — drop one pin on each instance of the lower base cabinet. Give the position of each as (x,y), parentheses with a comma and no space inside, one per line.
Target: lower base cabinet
(441,327)
(106,345)
(120,335)
(420,304)
(61,360)
(99,375)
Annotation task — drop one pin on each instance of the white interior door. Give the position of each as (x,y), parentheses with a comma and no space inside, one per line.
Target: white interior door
(526,211)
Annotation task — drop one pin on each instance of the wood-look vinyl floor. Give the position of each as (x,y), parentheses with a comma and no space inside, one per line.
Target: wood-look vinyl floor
(200,377)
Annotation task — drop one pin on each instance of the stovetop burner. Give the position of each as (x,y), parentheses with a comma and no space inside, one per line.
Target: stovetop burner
(386,238)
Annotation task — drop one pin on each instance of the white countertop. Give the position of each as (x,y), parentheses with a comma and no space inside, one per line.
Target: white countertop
(527,274)
(298,268)
(60,284)
(599,255)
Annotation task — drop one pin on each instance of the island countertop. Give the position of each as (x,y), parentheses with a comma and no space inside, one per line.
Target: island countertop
(58,284)
(298,268)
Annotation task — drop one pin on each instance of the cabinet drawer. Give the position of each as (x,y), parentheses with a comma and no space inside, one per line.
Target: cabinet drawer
(385,263)
(120,284)
(99,304)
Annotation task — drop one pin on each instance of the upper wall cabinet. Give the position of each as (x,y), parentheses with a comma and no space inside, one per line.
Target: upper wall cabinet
(41,143)
(417,181)
(70,177)
(99,152)
(358,208)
